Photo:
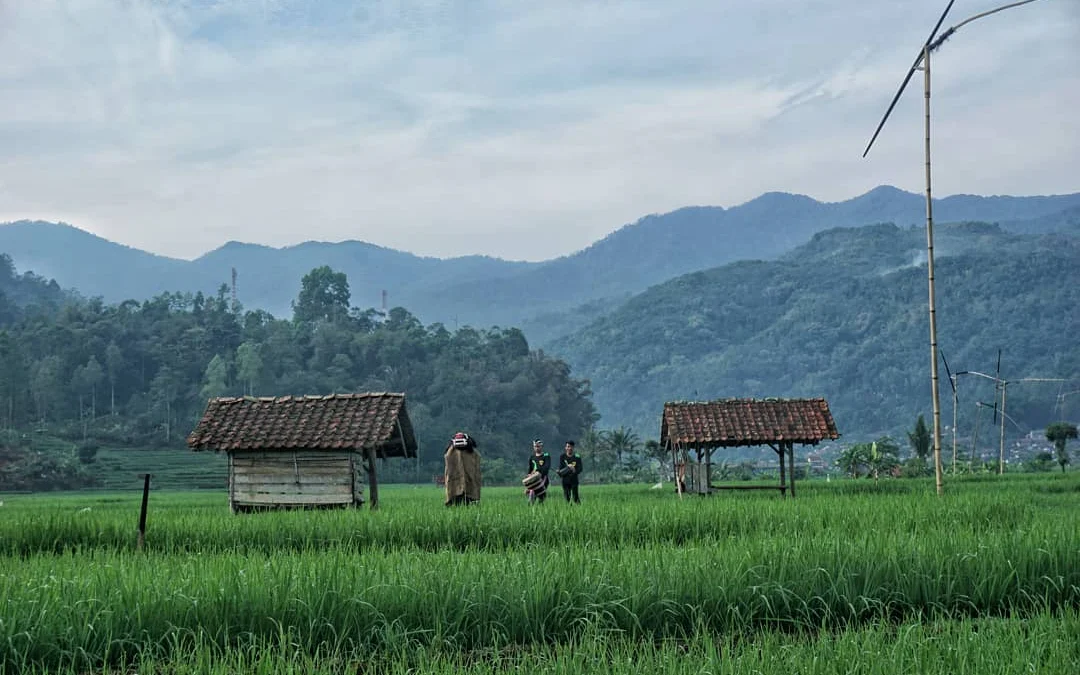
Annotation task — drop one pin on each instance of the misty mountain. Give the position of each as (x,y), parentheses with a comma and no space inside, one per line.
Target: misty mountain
(549,298)
(844,316)
(659,247)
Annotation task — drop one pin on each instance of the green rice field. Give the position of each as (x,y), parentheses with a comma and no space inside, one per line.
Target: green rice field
(850,577)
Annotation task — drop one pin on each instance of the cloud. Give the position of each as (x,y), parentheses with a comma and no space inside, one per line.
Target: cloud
(525,130)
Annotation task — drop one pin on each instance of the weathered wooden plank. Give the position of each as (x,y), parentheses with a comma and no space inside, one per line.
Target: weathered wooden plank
(257,500)
(290,471)
(243,482)
(288,454)
(339,462)
(293,490)
(293,487)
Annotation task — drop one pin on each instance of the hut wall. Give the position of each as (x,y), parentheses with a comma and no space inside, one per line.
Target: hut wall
(267,478)
(697,478)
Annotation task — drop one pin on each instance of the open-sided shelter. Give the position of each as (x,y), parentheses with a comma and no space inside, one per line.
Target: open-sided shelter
(293,451)
(704,426)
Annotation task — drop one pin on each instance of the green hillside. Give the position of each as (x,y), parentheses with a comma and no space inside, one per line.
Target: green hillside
(845,317)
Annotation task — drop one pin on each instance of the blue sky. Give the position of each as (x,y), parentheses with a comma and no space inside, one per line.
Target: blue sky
(513,128)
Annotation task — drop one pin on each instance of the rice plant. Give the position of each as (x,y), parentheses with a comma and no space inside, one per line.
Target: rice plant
(630,577)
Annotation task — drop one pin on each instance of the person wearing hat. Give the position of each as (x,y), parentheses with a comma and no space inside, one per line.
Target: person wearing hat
(570,467)
(462,470)
(540,462)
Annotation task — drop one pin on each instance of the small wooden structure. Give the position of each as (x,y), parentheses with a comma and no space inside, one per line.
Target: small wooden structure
(704,426)
(304,451)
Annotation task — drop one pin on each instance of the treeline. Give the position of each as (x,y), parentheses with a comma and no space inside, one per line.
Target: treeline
(139,374)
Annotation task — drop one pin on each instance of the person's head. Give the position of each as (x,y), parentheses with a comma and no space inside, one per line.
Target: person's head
(569,447)
(462,441)
(538,446)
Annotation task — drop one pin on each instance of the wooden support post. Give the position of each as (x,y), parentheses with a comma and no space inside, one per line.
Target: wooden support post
(780,452)
(708,471)
(373,480)
(142,511)
(791,463)
(352,479)
(232,485)
(675,468)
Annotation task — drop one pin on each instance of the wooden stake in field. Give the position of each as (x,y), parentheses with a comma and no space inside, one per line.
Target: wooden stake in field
(142,511)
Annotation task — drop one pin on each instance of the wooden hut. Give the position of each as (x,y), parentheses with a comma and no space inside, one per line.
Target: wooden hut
(703,427)
(303,451)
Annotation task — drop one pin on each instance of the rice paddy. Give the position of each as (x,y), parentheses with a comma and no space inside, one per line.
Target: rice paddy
(850,577)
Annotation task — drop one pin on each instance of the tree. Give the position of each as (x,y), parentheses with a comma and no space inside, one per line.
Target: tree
(92,375)
(164,392)
(45,384)
(1059,434)
(13,374)
(622,441)
(884,456)
(249,365)
(324,295)
(920,439)
(114,363)
(216,378)
(853,459)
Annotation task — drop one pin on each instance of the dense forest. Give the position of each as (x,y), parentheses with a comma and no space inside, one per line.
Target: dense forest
(845,316)
(138,374)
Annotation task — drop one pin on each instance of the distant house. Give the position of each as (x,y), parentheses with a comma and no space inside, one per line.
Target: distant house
(705,426)
(304,451)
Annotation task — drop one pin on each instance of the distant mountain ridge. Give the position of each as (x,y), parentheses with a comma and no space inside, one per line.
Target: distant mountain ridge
(479,290)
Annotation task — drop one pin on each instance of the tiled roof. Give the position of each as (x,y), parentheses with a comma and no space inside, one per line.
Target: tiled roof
(334,422)
(733,422)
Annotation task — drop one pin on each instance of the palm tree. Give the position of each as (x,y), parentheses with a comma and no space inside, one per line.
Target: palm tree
(622,440)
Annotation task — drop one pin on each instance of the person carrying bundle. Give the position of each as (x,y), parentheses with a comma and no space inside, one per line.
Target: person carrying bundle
(570,467)
(462,470)
(536,482)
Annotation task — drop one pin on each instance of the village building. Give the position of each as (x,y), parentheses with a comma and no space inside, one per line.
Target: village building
(305,451)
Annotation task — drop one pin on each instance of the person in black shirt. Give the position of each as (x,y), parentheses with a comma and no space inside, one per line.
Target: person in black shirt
(539,461)
(570,467)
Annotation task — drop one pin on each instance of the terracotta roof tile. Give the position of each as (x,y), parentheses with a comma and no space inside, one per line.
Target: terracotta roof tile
(733,422)
(337,421)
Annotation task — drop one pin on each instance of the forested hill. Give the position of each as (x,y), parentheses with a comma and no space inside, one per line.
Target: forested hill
(26,292)
(485,291)
(138,375)
(845,317)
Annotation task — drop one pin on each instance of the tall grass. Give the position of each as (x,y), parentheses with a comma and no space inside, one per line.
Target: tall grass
(633,568)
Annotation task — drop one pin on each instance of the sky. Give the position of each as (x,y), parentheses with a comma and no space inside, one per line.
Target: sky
(524,129)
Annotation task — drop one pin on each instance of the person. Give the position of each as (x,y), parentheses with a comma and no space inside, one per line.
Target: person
(540,462)
(462,470)
(570,467)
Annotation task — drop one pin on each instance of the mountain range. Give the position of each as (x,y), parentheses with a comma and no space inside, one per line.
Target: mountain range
(547,299)
(781,296)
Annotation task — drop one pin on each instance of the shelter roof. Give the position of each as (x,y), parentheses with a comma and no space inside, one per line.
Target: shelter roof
(335,422)
(739,421)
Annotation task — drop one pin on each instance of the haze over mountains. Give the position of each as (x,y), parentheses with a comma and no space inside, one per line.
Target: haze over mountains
(547,299)
(781,296)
